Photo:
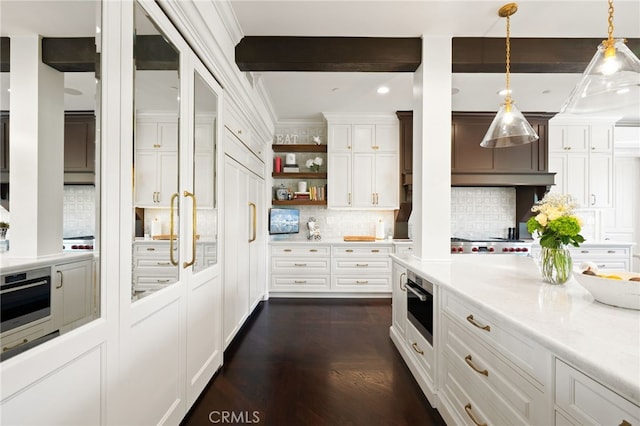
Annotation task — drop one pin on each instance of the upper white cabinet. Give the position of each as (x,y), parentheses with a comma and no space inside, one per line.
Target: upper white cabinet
(581,155)
(363,168)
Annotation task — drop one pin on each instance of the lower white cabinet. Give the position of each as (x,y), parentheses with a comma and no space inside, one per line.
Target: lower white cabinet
(72,294)
(606,255)
(330,268)
(399,299)
(581,400)
(152,267)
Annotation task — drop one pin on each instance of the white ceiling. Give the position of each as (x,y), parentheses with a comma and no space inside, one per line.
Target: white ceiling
(304,95)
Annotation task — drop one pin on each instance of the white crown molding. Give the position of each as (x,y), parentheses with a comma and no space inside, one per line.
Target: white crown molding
(230,20)
(357,118)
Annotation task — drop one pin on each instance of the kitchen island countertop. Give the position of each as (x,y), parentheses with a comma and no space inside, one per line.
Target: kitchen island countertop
(601,340)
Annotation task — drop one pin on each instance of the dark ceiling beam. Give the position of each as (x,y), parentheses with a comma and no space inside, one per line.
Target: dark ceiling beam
(4,54)
(528,55)
(371,54)
(78,54)
(331,54)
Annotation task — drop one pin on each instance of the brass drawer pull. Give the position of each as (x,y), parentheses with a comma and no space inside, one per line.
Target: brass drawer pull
(300,281)
(313,250)
(287,250)
(375,251)
(299,264)
(362,265)
(362,282)
(468,409)
(8,348)
(162,281)
(470,363)
(151,249)
(349,251)
(415,347)
(164,263)
(474,322)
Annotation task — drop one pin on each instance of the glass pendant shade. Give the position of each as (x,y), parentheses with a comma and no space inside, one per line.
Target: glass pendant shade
(610,82)
(508,128)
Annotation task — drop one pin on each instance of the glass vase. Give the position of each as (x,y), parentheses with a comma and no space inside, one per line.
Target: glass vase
(555,265)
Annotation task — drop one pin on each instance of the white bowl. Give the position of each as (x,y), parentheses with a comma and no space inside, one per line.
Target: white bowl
(622,293)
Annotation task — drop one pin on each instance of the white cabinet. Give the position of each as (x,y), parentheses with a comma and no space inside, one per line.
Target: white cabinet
(399,299)
(72,294)
(204,162)
(300,268)
(154,267)
(581,400)
(581,155)
(363,161)
(245,230)
(363,267)
(156,160)
(605,256)
(491,373)
(330,268)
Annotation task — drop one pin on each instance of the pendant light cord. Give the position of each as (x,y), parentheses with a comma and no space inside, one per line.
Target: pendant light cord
(610,42)
(507,99)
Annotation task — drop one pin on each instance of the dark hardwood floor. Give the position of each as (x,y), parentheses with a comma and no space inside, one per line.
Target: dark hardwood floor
(314,362)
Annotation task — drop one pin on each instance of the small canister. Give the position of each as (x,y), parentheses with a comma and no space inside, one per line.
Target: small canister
(277,166)
(282,193)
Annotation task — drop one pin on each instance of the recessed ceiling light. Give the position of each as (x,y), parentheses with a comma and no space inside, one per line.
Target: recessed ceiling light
(455,90)
(546,91)
(504,92)
(73,92)
(335,89)
(383,90)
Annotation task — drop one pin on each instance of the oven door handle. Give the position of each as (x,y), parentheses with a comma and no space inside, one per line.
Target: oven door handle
(422,297)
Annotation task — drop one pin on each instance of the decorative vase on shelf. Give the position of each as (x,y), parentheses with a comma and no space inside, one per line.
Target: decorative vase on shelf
(555,265)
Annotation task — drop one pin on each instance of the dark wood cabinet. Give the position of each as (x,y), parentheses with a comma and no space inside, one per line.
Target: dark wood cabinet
(406,154)
(467,156)
(79,143)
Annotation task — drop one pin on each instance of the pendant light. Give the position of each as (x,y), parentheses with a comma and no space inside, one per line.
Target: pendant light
(509,127)
(611,80)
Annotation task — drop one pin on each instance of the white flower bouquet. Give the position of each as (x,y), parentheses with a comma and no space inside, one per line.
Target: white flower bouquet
(314,164)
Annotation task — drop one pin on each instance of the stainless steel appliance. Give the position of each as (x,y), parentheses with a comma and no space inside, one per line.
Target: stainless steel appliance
(83,243)
(420,305)
(490,246)
(25,297)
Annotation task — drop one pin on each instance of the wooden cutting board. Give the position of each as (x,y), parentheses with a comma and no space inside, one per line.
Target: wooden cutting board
(359,238)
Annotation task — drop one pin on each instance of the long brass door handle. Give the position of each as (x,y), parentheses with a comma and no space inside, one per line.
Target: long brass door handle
(253,222)
(193,230)
(402,286)
(475,323)
(175,195)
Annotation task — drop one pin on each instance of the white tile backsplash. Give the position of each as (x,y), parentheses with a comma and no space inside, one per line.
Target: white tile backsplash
(482,212)
(79,210)
(335,224)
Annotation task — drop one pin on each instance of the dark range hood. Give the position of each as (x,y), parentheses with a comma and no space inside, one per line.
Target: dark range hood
(502,179)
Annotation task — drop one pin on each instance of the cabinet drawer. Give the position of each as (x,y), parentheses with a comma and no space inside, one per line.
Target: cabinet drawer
(144,263)
(589,402)
(159,250)
(601,253)
(299,266)
(501,386)
(358,251)
(361,266)
(523,352)
(301,250)
(457,392)
(301,283)
(26,335)
(404,251)
(421,350)
(152,282)
(361,283)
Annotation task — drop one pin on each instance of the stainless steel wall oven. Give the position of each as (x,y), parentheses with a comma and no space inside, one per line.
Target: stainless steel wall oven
(420,304)
(25,297)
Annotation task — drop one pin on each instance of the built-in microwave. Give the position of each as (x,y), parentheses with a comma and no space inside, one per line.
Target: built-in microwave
(25,297)
(420,304)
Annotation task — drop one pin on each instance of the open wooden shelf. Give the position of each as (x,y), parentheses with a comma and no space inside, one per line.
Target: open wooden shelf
(299,175)
(299,202)
(300,148)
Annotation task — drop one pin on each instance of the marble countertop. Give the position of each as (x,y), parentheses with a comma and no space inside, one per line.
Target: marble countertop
(601,340)
(336,241)
(10,265)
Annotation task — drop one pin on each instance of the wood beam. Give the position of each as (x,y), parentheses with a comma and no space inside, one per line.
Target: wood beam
(69,54)
(4,54)
(528,55)
(331,54)
(372,54)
